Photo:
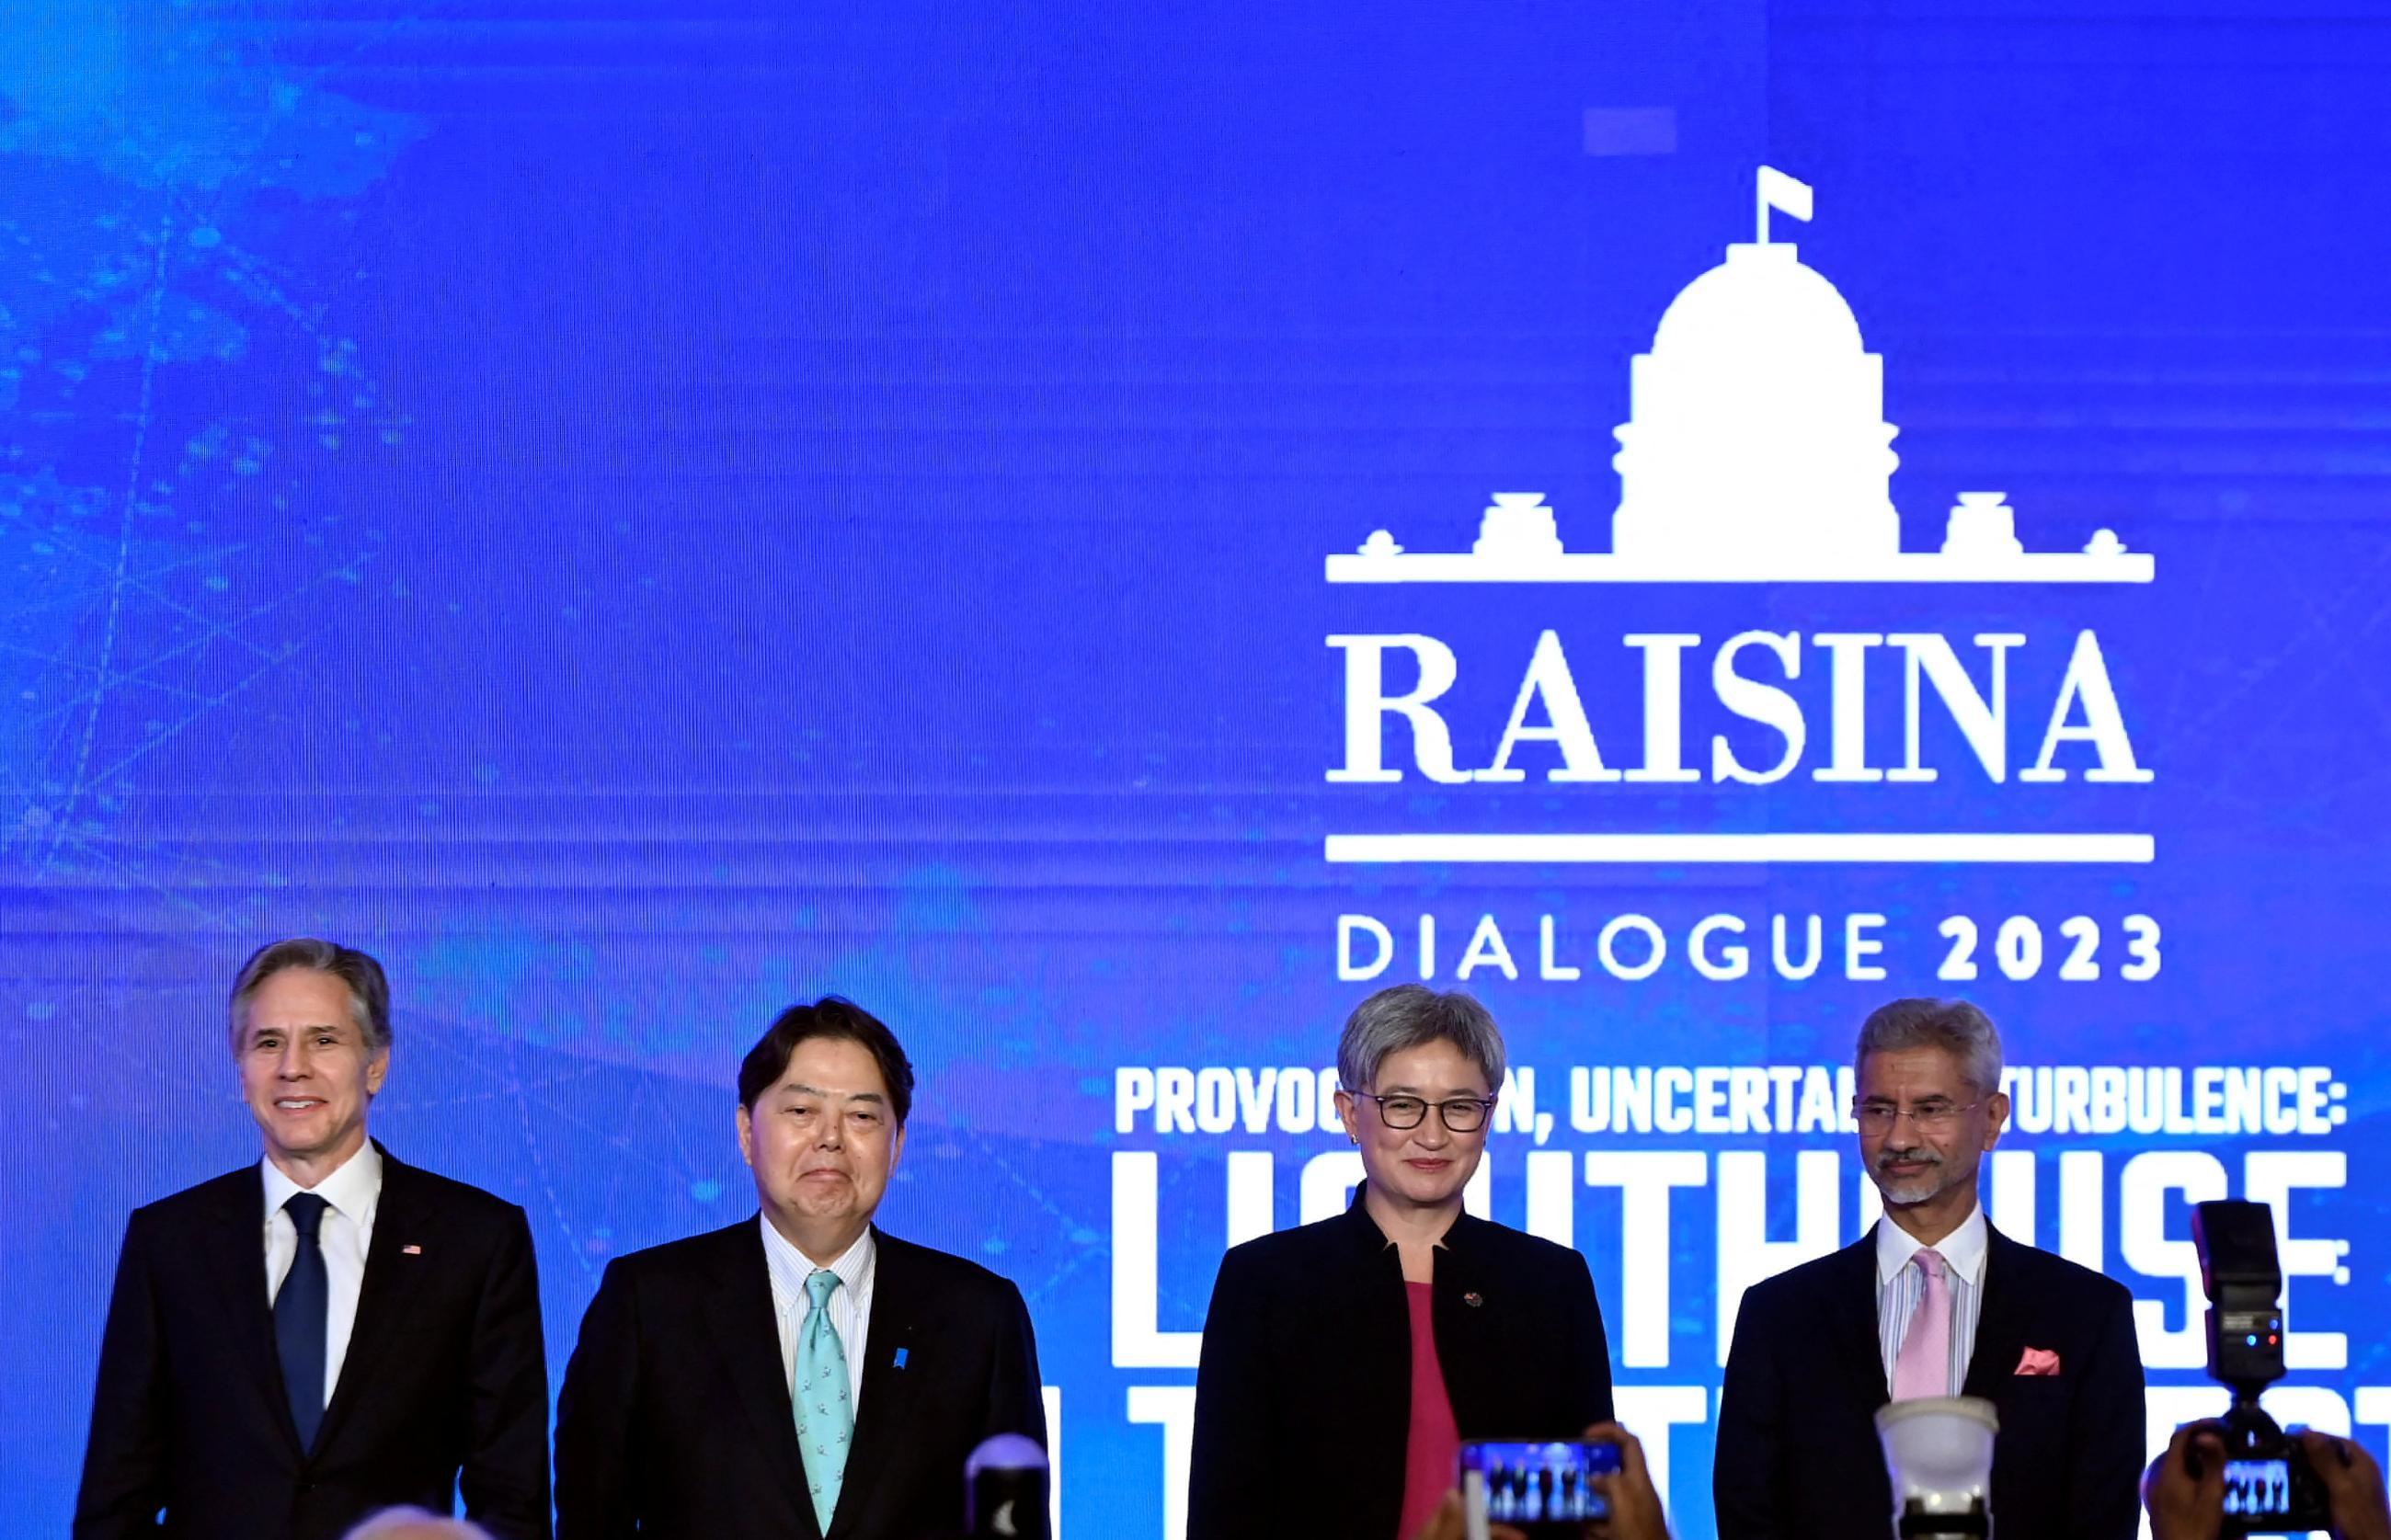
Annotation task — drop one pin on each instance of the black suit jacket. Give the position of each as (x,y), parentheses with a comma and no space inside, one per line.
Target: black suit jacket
(445,1376)
(1798,1455)
(1303,1397)
(675,1419)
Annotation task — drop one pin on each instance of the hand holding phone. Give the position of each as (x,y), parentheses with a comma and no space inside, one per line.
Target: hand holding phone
(1635,1503)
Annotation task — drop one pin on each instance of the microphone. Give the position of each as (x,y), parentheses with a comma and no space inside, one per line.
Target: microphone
(1939,1452)
(1004,1490)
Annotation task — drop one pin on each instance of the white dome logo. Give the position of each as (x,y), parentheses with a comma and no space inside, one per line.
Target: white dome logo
(1756,451)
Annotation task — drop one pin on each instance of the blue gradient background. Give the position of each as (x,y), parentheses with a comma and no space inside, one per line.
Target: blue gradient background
(638,514)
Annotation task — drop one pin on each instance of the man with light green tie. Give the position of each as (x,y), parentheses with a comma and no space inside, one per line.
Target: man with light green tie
(802,1372)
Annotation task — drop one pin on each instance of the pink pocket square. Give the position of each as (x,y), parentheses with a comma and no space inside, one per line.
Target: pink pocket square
(2038,1360)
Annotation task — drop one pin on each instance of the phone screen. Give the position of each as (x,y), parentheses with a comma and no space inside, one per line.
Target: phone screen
(2257,1489)
(1540,1488)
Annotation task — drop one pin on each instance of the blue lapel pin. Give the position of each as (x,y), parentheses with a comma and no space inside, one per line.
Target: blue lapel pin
(900,1358)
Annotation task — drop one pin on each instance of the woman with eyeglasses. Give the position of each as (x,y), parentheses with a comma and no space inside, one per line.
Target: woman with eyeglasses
(1344,1362)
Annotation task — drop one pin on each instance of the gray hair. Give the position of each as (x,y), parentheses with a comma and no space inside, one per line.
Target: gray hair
(416,1523)
(368,988)
(1409,1015)
(1955,1026)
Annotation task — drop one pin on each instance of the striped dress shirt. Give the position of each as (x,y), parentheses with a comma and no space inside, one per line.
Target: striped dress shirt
(849,1308)
(1900,1286)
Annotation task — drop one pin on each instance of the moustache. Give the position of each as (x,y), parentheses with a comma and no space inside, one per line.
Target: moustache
(1908,1156)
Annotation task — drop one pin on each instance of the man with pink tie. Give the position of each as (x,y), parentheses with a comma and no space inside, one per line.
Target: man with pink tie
(1931,1301)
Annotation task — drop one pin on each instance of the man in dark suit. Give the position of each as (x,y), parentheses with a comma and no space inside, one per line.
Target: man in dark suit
(677,1417)
(328,1333)
(1931,1301)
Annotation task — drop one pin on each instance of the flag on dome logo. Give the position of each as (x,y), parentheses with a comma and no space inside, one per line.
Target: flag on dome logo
(1761,354)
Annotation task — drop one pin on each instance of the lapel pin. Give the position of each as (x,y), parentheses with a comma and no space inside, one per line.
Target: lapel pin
(900,1358)
(410,1251)
(1473,1299)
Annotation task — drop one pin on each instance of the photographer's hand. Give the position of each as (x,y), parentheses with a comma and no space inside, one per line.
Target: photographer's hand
(2184,1488)
(2353,1486)
(1451,1522)
(1634,1506)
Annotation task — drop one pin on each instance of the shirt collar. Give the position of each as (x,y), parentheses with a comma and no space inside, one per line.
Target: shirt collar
(1962,1251)
(791,1267)
(1369,1239)
(353,1190)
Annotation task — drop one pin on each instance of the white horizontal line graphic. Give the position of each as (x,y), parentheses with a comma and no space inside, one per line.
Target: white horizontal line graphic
(1730,567)
(1746,849)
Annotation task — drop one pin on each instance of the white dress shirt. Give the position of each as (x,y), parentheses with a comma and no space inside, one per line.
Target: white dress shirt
(849,1307)
(1900,1286)
(345,1234)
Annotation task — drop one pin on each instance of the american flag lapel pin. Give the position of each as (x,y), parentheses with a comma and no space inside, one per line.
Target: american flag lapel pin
(410,1250)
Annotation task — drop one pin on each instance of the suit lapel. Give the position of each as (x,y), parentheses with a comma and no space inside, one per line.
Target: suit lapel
(1467,1310)
(1853,1321)
(2000,1321)
(887,1390)
(393,1282)
(746,1337)
(236,1261)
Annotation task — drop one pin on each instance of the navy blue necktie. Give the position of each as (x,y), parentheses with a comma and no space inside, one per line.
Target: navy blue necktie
(299,1311)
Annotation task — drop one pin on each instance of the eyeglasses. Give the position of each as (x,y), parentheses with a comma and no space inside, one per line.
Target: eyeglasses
(1927,1117)
(1459,1114)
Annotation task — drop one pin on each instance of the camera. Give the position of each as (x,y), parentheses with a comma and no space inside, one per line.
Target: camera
(2268,1487)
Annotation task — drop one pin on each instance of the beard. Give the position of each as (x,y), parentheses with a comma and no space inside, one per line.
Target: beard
(1910,1190)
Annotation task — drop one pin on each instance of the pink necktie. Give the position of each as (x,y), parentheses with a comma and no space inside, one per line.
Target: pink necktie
(1924,1366)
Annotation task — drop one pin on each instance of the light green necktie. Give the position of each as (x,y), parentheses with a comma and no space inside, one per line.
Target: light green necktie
(826,1411)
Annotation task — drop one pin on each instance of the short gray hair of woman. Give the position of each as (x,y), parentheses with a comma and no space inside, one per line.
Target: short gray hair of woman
(1409,1015)
(416,1523)
(368,987)
(1955,1026)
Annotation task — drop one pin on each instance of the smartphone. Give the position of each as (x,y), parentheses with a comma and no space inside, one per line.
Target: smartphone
(1537,1486)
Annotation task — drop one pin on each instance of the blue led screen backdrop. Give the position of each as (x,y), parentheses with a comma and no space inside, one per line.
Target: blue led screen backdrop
(1094,530)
